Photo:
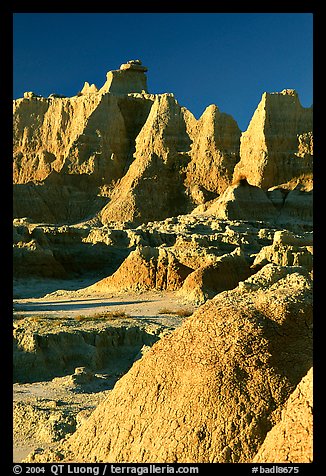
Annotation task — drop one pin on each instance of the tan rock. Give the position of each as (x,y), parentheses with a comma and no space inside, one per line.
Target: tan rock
(242,201)
(214,153)
(60,198)
(89,88)
(207,392)
(152,188)
(298,207)
(286,250)
(291,439)
(62,251)
(277,146)
(89,134)
(130,78)
(32,255)
(31,259)
(152,159)
(145,268)
(222,274)
(44,131)
(193,254)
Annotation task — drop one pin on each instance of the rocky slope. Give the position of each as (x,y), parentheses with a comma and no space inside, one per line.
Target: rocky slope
(209,391)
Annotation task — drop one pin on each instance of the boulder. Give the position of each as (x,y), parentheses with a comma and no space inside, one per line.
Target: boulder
(82,375)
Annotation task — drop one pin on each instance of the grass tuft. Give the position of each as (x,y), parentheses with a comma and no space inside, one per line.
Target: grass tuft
(176,312)
(105,315)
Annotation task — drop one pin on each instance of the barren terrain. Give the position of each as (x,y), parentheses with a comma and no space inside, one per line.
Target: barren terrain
(162,278)
(48,410)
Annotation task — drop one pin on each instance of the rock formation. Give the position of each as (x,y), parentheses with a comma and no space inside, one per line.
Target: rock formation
(208,392)
(286,250)
(241,201)
(214,153)
(130,78)
(223,273)
(42,351)
(291,439)
(298,206)
(87,134)
(131,191)
(62,251)
(128,156)
(60,198)
(153,186)
(145,268)
(278,144)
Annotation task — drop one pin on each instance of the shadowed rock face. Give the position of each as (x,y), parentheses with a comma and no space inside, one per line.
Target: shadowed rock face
(291,439)
(208,391)
(145,268)
(153,186)
(87,134)
(221,274)
(44,354)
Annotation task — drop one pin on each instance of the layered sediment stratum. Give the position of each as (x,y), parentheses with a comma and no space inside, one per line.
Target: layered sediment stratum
(130,190)
(129,156)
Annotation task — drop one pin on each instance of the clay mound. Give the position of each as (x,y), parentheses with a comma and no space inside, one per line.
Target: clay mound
(222,274)
(291,440)
(208,391)
(242,201)
(145,268)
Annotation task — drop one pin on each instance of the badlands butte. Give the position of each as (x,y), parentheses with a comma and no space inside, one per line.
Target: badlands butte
(162,278)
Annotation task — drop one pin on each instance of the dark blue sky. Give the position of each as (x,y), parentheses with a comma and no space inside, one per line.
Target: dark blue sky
(228,59)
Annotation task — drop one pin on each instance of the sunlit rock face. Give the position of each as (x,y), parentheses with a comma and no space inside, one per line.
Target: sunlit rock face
(278,144)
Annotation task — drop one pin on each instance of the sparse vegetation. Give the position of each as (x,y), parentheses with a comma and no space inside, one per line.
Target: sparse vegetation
(106,315)
(177,312)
